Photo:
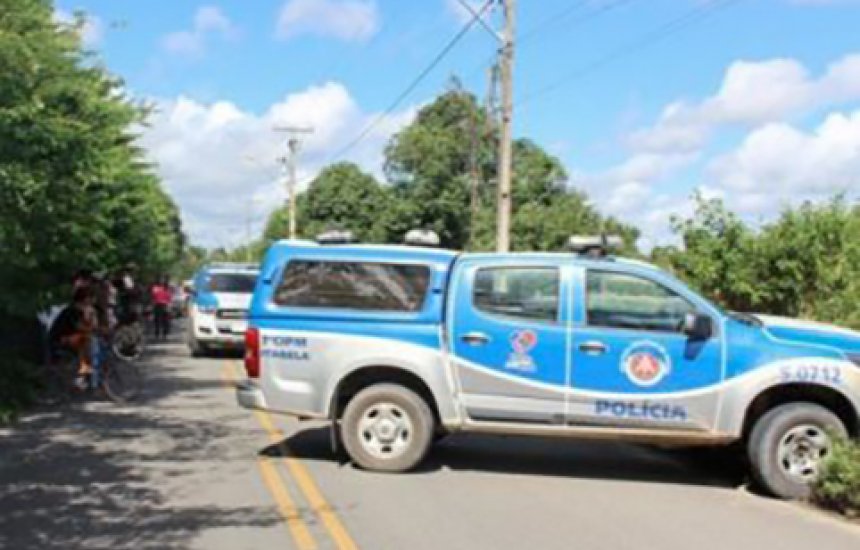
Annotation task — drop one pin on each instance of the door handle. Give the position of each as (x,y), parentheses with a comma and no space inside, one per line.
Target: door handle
(593,347)
(475,338)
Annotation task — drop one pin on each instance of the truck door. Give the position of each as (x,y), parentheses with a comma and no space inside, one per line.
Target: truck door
(508,338)
(631,363)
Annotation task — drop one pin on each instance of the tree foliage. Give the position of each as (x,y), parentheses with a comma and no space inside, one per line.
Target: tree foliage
(74,190)
(429,168)
(806,263)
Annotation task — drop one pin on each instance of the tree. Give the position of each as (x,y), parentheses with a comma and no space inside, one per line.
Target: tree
(74,190)
(340,196)
(806,263)
(429,164)
(719,255)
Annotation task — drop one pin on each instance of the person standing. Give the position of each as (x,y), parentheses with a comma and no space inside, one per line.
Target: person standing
(161,297)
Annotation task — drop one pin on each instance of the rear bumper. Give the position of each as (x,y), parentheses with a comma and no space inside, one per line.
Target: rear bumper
(250,396)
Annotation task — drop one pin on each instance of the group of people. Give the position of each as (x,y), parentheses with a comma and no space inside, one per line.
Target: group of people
(101,303)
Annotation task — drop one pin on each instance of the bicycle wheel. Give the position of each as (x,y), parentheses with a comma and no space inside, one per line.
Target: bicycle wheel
(123,381)
(127,342)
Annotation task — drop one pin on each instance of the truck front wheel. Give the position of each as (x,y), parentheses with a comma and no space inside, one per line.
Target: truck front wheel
(387,428)
(787,446)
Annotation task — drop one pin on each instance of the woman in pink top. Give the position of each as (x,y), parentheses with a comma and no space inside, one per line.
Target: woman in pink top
(161,297)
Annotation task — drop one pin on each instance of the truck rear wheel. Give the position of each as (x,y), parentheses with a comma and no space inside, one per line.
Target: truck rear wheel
(787,446)
(387,428)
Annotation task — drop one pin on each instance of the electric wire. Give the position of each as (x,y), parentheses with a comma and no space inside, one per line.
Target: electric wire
(658,34)
(412,85)
(533,34)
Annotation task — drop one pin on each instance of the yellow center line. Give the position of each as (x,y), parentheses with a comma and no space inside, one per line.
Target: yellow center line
(307,485)
(273,481)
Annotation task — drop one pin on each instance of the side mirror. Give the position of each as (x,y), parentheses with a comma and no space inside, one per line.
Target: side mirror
(698,326)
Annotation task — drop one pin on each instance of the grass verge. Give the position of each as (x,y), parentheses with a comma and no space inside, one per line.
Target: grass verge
(838,485)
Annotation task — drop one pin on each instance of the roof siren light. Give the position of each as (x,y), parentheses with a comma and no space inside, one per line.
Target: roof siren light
(597,246)
(336,236)
(422,237)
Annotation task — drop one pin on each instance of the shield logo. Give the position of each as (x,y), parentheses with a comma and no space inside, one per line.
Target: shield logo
(645,363)
(522,341)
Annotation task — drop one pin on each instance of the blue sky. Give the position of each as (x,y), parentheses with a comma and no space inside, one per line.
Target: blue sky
(758,101)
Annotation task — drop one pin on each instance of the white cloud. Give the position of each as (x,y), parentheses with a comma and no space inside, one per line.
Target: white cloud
(208,21)
(347,20)
(778,164)
(92,30)
(218,160)
(752,93)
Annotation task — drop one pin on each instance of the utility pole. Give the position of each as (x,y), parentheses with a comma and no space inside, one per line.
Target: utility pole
(506,64)
(289,162)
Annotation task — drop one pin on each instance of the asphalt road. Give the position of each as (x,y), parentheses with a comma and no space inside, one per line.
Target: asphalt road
(186,468)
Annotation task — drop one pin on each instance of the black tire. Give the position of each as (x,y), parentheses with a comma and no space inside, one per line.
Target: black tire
(784,427)
(413,431)
(196,348)
(123,381)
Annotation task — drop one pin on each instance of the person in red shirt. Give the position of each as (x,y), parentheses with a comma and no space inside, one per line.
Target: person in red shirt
(161,297)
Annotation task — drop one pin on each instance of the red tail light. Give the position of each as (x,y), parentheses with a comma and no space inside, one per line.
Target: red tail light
(252,352)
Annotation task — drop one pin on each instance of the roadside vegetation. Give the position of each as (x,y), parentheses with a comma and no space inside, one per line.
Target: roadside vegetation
(838,487)
(75,190)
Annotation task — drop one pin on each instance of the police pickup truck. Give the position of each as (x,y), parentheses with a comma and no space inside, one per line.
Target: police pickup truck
(398,345)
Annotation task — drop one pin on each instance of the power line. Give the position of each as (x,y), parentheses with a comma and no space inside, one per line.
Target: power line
(658,34)
(414,84)
(533,35)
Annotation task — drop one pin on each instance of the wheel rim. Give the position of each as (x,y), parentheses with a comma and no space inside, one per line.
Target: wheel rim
(801,451)
(385,430)
(122,382)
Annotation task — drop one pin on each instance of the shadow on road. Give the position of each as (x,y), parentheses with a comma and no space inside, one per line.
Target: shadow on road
(551,457)
(103,476)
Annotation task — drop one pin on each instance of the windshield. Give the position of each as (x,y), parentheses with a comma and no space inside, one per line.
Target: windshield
(242,283)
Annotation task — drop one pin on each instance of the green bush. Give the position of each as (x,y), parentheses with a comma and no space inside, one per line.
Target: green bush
(18,386)
(838,485)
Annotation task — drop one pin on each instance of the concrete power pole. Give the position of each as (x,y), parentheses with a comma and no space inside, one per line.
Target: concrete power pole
(289,161)
(506,65)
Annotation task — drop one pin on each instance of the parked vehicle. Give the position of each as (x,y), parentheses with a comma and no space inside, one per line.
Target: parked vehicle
(219,306)
(397,345)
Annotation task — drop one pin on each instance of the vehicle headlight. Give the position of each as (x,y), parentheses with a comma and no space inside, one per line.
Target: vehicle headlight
(207,309)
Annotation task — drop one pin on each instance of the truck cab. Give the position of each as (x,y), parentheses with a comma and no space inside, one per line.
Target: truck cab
(397,344)
(220,296)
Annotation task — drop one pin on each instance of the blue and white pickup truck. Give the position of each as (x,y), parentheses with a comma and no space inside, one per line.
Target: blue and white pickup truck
(398,345)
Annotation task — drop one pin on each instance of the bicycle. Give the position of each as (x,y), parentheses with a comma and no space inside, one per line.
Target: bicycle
(121,380)
(128,340)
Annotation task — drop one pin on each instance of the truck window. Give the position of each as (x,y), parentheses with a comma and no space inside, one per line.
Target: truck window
(353,285)
(619,300)
(232,282)
(527,292)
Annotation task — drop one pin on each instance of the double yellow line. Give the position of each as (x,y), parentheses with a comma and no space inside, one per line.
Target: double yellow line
(301,476)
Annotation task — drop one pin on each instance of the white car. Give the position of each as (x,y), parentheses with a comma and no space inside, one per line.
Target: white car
(218,309)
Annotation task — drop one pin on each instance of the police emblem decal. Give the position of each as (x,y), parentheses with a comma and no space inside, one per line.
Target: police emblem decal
(645,363)
(522,342)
